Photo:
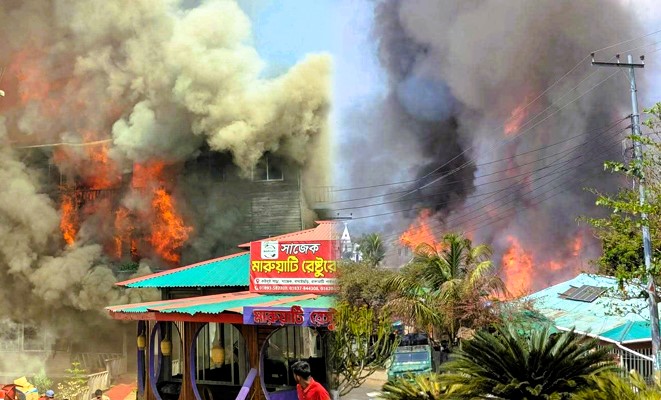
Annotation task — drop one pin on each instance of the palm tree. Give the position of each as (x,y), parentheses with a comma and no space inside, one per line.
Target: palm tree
(372,249)
(506,365)
(446,285)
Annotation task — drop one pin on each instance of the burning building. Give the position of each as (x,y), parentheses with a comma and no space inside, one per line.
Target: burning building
(136,139)
(486,149)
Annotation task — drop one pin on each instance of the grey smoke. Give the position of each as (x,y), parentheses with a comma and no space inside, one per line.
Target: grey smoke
(470,64)
(159,80)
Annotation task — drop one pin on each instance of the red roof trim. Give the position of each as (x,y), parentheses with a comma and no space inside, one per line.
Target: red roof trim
(171,271)
(224,317)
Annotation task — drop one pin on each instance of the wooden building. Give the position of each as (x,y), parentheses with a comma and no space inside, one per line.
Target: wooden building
(219,333)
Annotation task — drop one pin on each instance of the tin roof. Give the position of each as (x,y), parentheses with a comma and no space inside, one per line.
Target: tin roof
(228,302)
(631,332)
(325,230)
(597,318)
(232,270)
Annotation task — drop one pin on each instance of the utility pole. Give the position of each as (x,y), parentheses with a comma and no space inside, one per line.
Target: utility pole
(647,244)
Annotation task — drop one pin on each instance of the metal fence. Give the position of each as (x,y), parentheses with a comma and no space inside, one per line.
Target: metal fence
(637,360)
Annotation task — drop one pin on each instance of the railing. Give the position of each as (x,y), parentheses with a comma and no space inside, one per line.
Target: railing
(116,367)
(639,361)
(94,361)
(96,381)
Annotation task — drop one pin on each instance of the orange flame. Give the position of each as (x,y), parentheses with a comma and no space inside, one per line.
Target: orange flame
(419,232)
(168,230)
(68,218)
(517,267)
(104,172)
(169,233)
(513,124)
(122,231)
(146,175)
(577,245)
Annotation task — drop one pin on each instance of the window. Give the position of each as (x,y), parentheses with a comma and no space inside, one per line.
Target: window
(286,346)
(10,336)
(411,357)
(20,337)
(32,340)
(267,169)
(234,363)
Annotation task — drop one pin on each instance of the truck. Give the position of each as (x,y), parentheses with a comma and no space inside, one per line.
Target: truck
(414,355)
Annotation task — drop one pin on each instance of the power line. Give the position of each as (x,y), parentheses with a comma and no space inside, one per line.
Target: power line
(602,130)
(566,151)
(425,207)
(521,110)
(454,221)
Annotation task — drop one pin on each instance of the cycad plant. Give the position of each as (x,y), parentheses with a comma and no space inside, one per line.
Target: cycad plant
(614,387)
(507,365)
(415,387)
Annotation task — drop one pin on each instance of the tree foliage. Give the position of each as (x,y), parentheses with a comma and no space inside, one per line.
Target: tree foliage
(507,365)
(360,345)
(620,232)
(74,384)
(372,249)
(363,284)
(447,286)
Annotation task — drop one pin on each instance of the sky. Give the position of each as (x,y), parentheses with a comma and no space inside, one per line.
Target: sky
(284,31)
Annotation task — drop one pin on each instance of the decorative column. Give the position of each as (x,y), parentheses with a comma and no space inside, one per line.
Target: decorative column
(249,333)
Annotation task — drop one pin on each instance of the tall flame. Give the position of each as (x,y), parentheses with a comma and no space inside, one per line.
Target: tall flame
(517,267)
(419,231)
(168,230)
(68,218)
(513,124)
(169,233)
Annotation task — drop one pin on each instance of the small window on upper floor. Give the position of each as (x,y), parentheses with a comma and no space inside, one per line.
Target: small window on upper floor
(267,169)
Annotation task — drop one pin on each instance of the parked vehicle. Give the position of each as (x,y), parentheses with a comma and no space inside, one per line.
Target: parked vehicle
(413,356)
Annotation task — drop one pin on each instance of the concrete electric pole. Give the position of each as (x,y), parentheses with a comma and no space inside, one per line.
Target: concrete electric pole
(647,244)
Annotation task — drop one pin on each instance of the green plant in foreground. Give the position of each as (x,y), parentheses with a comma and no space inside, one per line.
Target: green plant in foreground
(418,387)
(74,384)
(42,382)
(614,387)
(506,365)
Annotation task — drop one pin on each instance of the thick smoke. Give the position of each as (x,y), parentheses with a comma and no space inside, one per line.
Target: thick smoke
(457,71)
(152,81)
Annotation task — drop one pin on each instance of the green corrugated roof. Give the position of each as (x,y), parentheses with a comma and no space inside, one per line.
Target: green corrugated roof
(217,308)
(632,331)
(234,302)
(231,270)
(602,315)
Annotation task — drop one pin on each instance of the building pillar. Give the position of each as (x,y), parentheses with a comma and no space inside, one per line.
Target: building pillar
(149,359)
(249,333)
(188,370)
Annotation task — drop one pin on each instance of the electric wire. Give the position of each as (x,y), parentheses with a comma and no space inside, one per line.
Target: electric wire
(381,195)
